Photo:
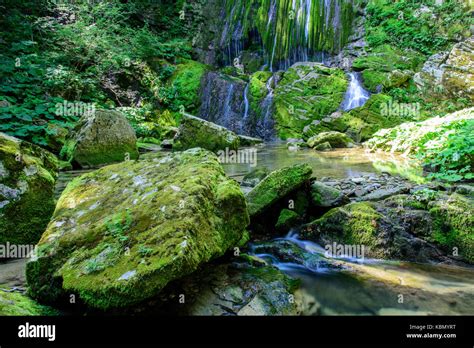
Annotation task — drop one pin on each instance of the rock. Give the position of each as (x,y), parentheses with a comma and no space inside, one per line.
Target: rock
(27,178)
(56,137)
(450,73)
(327,196)
(407,227)
(307,92)
(276,186)
(326,146)
(238,289)
(458,77)
(335,139)
(13,303)
(255,176)
(249,141)
(286,220)
(101,138)
(380,194)
(167,144)
(123,232)
(196,132)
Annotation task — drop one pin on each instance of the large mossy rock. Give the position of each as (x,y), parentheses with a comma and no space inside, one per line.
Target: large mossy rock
(121,233)
(427,226)
(307,92)
(103,137)
(27,178)
(451,73)
(276,186)
(335,139)
(196,132)
(386,67)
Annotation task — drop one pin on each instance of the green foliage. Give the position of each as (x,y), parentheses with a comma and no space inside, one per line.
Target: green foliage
(118,225)
(454,159)
(417,25)
(107,53)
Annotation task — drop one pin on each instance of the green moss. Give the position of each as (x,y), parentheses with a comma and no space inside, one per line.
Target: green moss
(187,82)
(17,304)
(352,224)
(307,92)
(276,186)
(104,220)
(454,225)
(287,219)
(27,189)
(335,139)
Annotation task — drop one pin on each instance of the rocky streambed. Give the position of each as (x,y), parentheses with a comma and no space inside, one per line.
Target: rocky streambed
(126,239)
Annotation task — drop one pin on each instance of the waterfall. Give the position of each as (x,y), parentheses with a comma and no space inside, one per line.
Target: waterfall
(246,109)
(265,125)
(356,95)
(314,28)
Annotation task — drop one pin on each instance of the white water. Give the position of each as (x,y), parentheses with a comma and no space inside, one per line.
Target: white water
(356,96)
(246,108)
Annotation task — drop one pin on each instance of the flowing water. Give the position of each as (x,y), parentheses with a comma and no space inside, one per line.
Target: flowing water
(356,96)
(358,286)
(348,286)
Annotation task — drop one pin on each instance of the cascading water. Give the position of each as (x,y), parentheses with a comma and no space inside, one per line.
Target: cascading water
(246,109)
(356,96)
(265,123)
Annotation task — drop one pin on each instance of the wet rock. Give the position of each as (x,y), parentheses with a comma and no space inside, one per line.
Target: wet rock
(327,196)
(120,234)
(326,146)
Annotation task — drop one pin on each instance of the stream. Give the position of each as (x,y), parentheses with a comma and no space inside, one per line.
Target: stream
(340,285)
(347,286)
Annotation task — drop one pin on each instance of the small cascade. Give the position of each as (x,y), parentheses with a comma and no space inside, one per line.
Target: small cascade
(356,96)
(246,109)
(265,125)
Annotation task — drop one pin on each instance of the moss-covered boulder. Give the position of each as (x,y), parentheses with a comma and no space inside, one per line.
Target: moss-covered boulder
(326,196)
(27,178)
(335,139)
(14,303)
(287,219)
(186,80)
(306,93)
(276,186)
(426,226)
(196,132)
(121,233)
(102,137)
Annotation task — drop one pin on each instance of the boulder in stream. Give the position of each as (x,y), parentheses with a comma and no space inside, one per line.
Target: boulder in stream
(120,234)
